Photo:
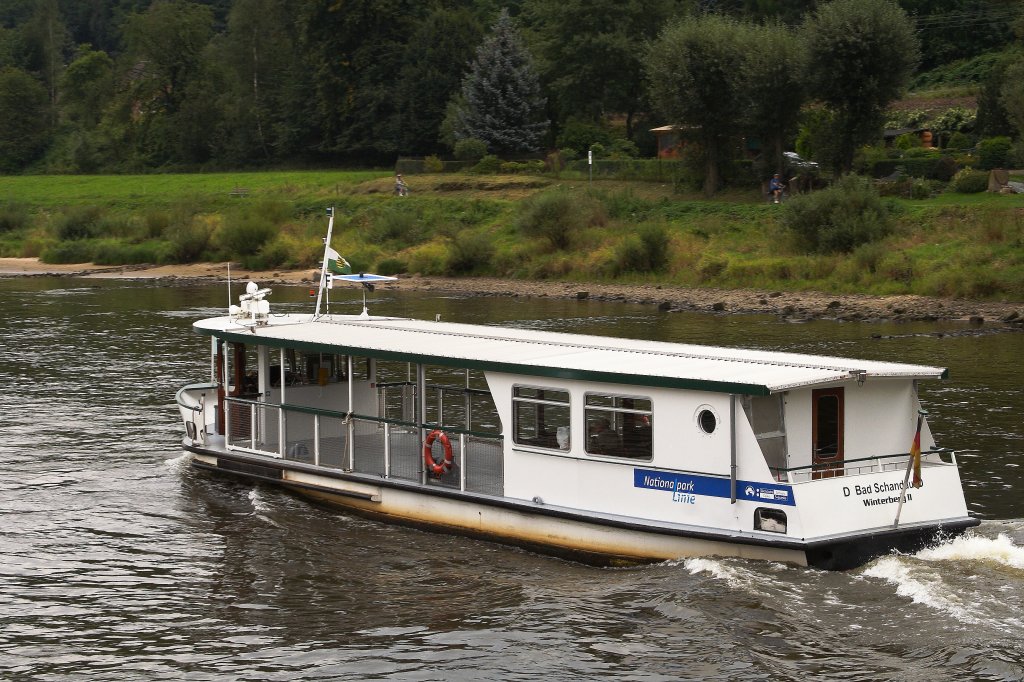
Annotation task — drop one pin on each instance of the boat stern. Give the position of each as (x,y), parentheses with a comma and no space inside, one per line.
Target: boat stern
(197,405)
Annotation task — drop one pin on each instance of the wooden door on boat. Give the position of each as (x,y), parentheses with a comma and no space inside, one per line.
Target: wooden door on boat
(244,385)
(827,432)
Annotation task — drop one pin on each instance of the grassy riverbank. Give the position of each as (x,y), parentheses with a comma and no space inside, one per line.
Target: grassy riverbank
(521,227)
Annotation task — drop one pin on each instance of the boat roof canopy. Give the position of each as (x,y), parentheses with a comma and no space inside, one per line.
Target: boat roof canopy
(560,355)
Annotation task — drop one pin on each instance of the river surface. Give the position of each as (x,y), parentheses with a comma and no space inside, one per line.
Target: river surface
(119,561)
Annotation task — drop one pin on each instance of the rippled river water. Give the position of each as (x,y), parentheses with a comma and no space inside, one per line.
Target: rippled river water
(117,560)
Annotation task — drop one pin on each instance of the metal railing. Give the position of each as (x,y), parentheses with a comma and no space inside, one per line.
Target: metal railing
(863,465)
(192,403)
(379,446)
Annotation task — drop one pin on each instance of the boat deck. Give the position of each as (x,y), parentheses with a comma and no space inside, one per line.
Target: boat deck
(391,452)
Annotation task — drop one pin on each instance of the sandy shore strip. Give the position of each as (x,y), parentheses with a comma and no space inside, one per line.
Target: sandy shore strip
(795,305)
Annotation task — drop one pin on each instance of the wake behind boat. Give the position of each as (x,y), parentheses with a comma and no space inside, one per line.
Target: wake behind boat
(605,450)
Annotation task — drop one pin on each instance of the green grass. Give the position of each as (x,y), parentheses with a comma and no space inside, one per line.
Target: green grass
(210,189)
(962,245)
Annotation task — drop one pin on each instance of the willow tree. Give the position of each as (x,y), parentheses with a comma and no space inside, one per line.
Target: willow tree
(589,59)
(861,55)
(695,79)
(1012,95)
(774,88)
(500,100)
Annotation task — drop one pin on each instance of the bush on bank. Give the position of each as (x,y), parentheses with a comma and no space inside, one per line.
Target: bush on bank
(845,239)
(840,218)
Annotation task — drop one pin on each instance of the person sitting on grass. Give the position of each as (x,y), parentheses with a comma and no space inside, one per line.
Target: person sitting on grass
(775,187)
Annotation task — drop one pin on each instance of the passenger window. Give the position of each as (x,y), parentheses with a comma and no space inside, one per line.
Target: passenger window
(540,417)
(618,426)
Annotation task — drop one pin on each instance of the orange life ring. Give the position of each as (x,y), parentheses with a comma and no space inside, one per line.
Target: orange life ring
(445,465)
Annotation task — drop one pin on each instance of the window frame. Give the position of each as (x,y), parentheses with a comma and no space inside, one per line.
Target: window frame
(616,409)
(534,402)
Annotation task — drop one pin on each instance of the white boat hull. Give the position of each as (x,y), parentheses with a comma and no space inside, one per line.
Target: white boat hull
(561,532)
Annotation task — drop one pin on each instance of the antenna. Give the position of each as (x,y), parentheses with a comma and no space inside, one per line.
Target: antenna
(229,286)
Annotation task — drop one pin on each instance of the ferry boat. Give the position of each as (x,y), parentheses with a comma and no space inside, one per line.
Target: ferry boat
(606,450)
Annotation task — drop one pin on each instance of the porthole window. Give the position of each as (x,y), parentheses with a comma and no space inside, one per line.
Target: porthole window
(707,421)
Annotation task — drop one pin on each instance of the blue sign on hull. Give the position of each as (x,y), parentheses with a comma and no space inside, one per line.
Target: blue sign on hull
(709,486)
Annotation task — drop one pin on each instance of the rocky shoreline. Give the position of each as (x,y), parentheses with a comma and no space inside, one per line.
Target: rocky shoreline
(797,305)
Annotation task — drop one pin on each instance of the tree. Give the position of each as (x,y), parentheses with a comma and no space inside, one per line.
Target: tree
(266,101)
(501,101)
(861,54)
(589,56)
(1012,95)
(354,52)
(25,111)
(773,74)
(993,117)
(439,52)
(86,87)
(951,30)
(694,73)
(168,41)
(45,41)
(166,46)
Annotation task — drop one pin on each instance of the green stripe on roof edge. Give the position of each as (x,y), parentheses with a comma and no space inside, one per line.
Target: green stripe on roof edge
(506,367)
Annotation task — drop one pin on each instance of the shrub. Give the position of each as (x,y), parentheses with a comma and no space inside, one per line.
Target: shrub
(838,219)
(1017,154)
(644,251)
(124,226)
(391,266)
(188,240)
(13,217)
(621,148)
(906,141)
(78,222)
(394,222)
(945,168)
(281,251)
(432,164)
(428,259)
(895,188)
(922,189)
(625,205)
(557,215)
(909,188)
(958,140)
(969,181)
(76,251)
(994,152)
(245,234)
(488,164)
(470,252)
(115,252)
(530,167)
(578,134)
(156,222)
(470,149)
